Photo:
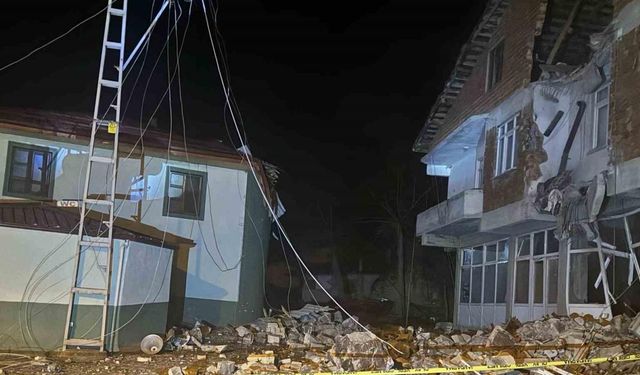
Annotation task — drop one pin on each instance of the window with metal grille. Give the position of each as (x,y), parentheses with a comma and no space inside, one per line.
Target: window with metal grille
(494,65)
(185,193)
(506,146)
(29,171)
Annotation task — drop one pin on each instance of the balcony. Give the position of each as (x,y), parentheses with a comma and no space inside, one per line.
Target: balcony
(457,216)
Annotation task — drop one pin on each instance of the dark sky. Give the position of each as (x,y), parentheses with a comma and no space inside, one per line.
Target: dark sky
(329,91)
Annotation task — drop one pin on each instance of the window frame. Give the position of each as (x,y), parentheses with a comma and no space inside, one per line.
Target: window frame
(482,267)
(597,105)
(545,257)
(202,199)
(492,79)
(9,167)
(501,156)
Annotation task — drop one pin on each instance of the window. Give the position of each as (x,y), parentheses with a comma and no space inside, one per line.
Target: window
(29,171)
(494,65)
(600,118)
(506,146)
(484,274)
(185,194)
(537,268)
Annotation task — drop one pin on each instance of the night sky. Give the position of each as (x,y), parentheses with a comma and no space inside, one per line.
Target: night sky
(331,92)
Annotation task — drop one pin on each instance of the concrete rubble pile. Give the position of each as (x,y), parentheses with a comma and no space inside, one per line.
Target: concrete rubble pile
(314,338)
(317,338)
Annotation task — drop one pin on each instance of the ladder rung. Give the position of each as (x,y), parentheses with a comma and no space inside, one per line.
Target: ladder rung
(101,159)
(95,244)
(109,83)
(98,202)
(88,290)
(82,342)
(113,45)
(116,12)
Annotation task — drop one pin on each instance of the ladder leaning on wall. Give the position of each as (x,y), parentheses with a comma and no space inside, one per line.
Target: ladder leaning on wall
(105,126)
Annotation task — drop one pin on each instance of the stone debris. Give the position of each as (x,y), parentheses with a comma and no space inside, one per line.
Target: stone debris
(177,370)
(317,339)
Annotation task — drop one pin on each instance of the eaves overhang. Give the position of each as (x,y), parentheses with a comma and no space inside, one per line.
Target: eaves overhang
(469,57)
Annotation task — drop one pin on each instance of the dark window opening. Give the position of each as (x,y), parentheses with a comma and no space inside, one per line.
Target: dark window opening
(29,171)
(184,195)
(494,65)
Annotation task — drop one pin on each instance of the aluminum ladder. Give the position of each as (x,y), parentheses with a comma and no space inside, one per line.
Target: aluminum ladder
(105,126)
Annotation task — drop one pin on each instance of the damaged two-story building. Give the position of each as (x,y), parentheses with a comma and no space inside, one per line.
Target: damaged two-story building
(191,232)
(538,132)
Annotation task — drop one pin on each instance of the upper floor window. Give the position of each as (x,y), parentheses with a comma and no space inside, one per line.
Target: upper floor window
(494,65)
(600,118)
(506,146)
(185,194)
(29,171)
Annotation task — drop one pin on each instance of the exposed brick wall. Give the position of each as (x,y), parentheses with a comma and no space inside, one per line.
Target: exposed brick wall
(625,94)
(509,187)
(518,27)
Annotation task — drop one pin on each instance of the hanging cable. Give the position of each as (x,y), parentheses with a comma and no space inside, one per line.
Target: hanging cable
(264,195)
(54,39)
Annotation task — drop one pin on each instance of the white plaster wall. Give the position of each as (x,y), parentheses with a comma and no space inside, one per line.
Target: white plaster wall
(37,267)
(214,263)
(146,275)
(463,174)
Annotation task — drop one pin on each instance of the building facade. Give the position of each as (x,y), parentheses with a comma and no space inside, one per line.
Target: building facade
(191,234)
(537,132)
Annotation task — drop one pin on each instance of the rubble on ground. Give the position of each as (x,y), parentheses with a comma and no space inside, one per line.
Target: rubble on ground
(316,338)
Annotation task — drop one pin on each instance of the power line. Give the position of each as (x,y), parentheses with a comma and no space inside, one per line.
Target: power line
(264,195)
(54,39)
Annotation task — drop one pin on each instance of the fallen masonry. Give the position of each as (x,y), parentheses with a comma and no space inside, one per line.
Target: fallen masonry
(316,339)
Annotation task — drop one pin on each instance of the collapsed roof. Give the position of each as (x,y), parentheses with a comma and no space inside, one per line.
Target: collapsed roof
(564,39)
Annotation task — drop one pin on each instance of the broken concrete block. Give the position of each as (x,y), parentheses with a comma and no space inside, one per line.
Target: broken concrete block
(296,345)
(360,351)
(611,351)
(267,358)
(309,340)
(634,326)
(325,340)
(350,323)
(500,337)
(273,340)
(261,338)
(177,370)
(247,339)
(501,360)
(314,357)
(213,348)
(226,367)
(337,317)
(242,331)
(257,368)
(460,339)
(143,359)
(443,340)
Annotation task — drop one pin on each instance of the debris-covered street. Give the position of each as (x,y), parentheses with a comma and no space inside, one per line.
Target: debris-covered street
(397,187)
(319,339)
